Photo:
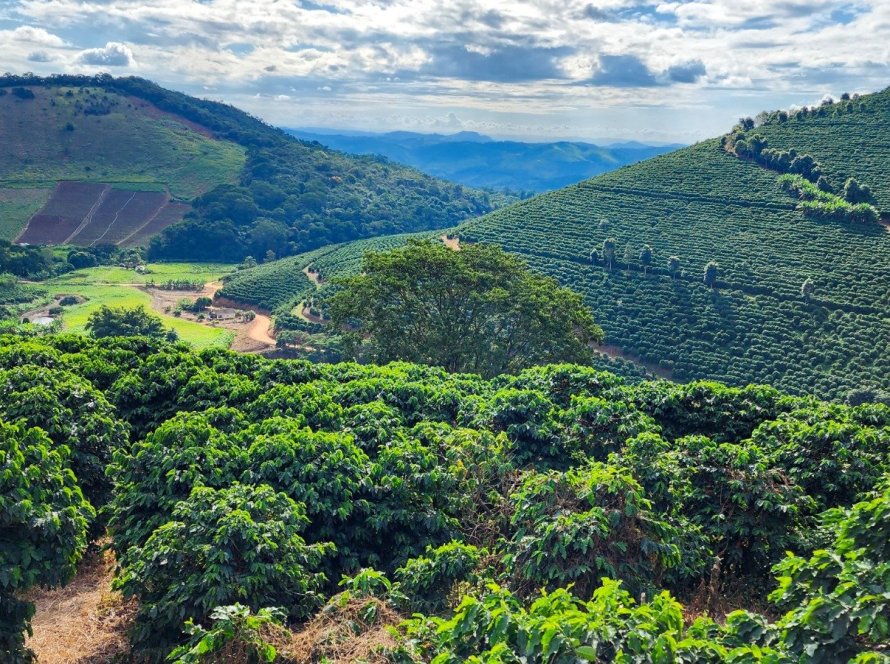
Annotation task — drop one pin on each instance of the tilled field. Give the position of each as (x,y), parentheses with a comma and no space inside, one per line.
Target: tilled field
(86,214)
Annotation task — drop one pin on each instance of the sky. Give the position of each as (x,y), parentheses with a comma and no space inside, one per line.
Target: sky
(672,71)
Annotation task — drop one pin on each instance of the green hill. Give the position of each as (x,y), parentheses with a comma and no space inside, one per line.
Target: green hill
(703,204)
(252,188)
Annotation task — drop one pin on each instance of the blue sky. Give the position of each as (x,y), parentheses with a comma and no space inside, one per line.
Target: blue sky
(588,69)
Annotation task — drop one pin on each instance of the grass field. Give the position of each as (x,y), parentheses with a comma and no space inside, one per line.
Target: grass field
(92,135)
(117,287)
(17,204)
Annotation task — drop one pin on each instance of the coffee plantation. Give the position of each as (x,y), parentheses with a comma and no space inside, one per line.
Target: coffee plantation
(560,514)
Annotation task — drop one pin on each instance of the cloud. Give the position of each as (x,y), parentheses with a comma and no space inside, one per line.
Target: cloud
(27,33)
(623,71)
(688,72)
(500,64)
(565,66)
(114,54)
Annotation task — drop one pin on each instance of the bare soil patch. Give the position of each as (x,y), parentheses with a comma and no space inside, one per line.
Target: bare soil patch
(85,621)
(451,243)
(614,351)
(314,277)
(250,336)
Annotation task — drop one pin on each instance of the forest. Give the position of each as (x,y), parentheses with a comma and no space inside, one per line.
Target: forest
(559,514)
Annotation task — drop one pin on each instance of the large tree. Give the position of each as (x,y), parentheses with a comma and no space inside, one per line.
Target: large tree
(475,310)
(123,322)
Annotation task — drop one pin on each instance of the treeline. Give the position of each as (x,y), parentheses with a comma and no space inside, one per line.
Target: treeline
(226,478)
(803,176)
(37,262)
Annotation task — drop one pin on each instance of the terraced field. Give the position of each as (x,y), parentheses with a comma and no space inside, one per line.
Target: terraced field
(700,204)
(86,214)
(278,286)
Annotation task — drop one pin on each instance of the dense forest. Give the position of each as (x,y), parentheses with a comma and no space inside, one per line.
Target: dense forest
(290,195)
(559,514)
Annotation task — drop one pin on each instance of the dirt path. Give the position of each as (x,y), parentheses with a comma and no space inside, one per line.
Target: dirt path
(85,621)
(250,336)
(314,277)
(451,243)
(258,330)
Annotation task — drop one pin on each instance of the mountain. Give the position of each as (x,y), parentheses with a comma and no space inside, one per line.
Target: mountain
(799,293)
(94,160)
(477,160)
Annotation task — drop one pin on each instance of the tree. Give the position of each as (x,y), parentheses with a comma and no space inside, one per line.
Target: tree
(807,289)
(628,255)
(595,257)
(609,251)
(477,310)
(124,322)
(855,192)
(674,266)
(646,257)
(711,274)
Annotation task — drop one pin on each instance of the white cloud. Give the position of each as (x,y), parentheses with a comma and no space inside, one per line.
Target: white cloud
(32,35)
(114,54)
(556,63)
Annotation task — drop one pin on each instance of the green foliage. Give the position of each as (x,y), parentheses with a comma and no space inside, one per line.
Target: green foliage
(560,628)
(123,322)
(746,507)
(701,204)
(417,302)
(583,525)
(820,204)
(154,475)
(427,582)
(43,526)
(235,634)
(838,600)
(74,414)
(241,471)
(237,544)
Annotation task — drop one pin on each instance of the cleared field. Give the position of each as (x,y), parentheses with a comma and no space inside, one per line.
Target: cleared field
(118,287)
(86,213)
(169,214)
(17,205)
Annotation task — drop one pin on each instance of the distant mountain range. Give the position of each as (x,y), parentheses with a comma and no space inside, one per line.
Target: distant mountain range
(477,160)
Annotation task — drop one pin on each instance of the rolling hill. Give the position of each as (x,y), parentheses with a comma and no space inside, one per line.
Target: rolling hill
(90,160)
(756,322)
(479,161)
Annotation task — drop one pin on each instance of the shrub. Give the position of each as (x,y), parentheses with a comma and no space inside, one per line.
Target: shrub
(43,521)
(74,415)
(427,582)
(837,600)
(155,474)
(583,525)
(238,544)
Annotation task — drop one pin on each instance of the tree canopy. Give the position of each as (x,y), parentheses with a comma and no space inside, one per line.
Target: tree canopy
(124,322)
(477,310)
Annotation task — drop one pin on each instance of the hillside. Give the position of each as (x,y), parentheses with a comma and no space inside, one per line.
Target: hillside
(702,204)
(479,161)
(93,160)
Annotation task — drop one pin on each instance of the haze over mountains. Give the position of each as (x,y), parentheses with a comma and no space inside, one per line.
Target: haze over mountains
(476,160)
